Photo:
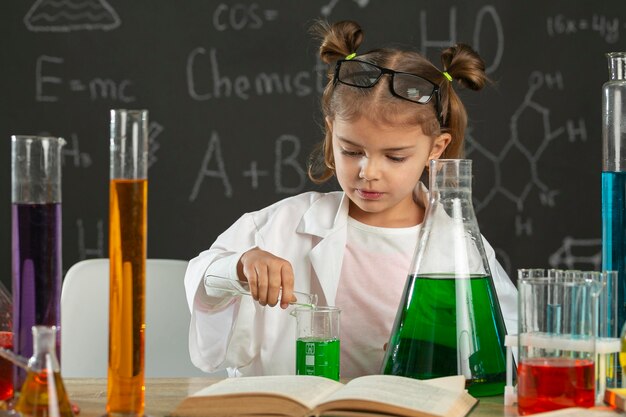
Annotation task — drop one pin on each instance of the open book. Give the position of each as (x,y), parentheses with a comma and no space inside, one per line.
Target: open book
(291,395)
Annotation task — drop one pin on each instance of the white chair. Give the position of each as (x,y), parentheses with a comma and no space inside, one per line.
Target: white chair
(85,320)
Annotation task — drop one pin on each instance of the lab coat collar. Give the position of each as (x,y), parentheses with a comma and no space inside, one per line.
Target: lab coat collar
(326,219)
(330,212)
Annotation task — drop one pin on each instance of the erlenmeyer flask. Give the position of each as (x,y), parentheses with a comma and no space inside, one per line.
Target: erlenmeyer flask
(43,393)
(449,321)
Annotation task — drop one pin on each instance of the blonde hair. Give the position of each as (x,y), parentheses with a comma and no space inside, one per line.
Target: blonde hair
(343,38)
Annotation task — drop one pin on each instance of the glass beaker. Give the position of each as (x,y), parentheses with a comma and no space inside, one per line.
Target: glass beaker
(556,340)
(43,393)
(449,321)
(127,257)
(317,341)
(6,341)
(614,177)
(36,238)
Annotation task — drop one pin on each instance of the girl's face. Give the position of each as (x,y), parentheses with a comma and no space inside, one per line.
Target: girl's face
(378,167)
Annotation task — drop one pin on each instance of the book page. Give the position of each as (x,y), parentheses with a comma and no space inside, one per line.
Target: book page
(307,390)
(403,392)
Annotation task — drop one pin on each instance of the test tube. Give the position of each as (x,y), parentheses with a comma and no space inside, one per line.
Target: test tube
(237,287)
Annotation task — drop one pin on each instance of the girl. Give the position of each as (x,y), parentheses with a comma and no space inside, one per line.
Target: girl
(387,113)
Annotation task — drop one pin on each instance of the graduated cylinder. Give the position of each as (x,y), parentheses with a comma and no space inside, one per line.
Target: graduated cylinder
(36,238)
(127,255)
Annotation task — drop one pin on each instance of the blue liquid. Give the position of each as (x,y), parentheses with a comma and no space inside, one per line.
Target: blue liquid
(614,235)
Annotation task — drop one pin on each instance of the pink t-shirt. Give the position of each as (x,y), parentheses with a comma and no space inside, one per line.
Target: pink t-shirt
(373,274)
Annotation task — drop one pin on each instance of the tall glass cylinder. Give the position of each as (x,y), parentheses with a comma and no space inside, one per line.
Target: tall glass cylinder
(127,254)
(449,321)
(36,238)
(614,176)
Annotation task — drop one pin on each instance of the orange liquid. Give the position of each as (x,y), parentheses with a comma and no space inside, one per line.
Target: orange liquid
(39,396)
(127,253)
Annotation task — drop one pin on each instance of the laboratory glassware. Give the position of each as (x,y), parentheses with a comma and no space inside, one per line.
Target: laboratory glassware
(6,342)
(43,393)
(449,321)
(317,341)
(127,257)
(556,340)
(36,238)
(614,177)
(219,285)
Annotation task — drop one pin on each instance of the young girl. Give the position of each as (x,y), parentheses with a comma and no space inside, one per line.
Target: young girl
(387,112)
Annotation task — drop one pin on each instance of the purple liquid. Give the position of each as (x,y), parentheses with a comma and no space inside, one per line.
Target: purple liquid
(36,250)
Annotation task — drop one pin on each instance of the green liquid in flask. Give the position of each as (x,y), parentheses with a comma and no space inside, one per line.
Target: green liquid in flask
(446,314)
(315,356)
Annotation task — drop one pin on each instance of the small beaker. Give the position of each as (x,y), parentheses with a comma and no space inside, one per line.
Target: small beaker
(317,341)
(556,340)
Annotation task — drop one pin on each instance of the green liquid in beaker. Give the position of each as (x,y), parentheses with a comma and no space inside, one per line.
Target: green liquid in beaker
(315,356)
(426,344)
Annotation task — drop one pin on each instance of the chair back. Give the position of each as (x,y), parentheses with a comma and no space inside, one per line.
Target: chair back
(85,320)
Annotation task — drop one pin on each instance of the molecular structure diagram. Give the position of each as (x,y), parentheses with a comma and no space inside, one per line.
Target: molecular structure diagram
(528,109)
(573,251)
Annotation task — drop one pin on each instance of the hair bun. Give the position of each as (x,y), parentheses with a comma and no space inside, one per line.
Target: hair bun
(464,65)
(337,40)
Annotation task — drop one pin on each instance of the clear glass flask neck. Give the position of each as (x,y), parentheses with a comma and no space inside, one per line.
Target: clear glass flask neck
(451,175)
(617,66)
(44,349)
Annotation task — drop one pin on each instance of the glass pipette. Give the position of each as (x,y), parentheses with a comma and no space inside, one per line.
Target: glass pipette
(236,287)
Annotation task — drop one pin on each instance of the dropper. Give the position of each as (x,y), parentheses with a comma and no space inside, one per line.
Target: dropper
(236,287)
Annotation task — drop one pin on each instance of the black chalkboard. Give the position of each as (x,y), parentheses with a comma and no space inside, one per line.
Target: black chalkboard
(233,91)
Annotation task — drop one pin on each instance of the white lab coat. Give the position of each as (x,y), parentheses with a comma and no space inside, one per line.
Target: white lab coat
(308,230)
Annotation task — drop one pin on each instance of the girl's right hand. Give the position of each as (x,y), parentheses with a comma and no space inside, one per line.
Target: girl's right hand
(267,275)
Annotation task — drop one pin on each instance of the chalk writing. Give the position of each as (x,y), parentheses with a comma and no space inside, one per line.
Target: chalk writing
(578,254)
(154,130)
(241,16)
(96,251)
(291,162)
(520,147)
(213,147)
(289,175)
(72,151)
(300,84)
(71,15)
(254,173)
(327,9)
(55,85)
(606,27)
(485,14)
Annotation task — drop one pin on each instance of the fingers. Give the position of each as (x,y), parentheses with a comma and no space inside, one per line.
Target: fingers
(267,275)
(287,284)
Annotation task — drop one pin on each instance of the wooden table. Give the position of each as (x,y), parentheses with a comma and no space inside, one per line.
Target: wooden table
(163,394)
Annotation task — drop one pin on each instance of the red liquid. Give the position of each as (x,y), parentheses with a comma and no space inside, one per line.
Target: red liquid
(551,383)
(6,368)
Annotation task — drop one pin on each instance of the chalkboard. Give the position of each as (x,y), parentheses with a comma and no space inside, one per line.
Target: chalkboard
(233,93)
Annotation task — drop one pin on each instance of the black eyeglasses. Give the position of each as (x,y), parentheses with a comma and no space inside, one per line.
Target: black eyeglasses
(411,87)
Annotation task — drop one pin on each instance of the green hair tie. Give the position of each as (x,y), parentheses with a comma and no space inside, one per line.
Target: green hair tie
(447,75)
(352,55)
